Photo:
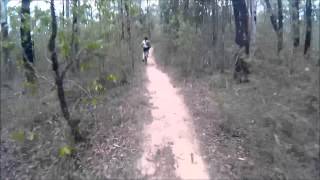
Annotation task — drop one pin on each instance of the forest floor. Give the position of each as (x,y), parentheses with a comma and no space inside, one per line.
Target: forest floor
(265,129)
(163,126)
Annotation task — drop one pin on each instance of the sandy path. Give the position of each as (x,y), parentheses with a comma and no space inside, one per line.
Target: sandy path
(170,146)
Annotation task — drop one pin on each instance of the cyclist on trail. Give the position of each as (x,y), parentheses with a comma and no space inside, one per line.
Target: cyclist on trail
(146,47)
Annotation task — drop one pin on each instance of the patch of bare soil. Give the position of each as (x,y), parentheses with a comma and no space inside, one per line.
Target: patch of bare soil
(265,129)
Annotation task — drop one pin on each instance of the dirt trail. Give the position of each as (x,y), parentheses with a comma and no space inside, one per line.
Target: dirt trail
(171,149)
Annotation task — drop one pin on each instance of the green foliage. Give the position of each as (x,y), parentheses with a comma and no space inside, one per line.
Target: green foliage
(97,86)
(65,151)
(64,44)
(8,44)
(94,45)
(92,101)
(18,136)
(85,66)
(112,78)
(13,13)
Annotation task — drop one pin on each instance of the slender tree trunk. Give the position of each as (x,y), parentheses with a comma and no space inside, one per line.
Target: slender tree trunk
(5,40)
(295,23)
(253,20)
(273,18)
(319,40)
(214,22)
(241,22)
(307,43)
(148,19)
(67,9)
(280,26)
(63,13)
(186,9)
(277,23)
(59,77)
(223,27)
(130,51)
(122,20)
(74,35)
(26,41)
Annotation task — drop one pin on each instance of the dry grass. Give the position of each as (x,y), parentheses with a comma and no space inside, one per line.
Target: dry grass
(267,128)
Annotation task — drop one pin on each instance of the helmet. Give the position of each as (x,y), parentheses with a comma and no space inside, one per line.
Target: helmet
(145,38)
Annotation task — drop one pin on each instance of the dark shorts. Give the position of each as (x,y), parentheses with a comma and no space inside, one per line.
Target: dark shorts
(146,49)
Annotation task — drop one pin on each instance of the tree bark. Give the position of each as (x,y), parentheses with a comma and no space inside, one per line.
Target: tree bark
(223,25)
(122,20)
(63,13)
(307,42)
(295,23)
(214,22)
(130,51)
(26,41)
(67,8)
(5,39)
(277,23)
(74,35)
(186,10)
(253,20)
(59,77)
(273,18)
(280,26)
(241,22)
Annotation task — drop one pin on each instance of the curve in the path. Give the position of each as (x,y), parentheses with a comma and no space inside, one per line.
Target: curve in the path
(172,128)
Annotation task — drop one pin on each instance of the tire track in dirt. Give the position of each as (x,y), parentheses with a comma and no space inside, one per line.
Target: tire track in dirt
(171,149)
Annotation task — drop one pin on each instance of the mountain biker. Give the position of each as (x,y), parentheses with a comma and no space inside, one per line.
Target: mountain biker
(146,47)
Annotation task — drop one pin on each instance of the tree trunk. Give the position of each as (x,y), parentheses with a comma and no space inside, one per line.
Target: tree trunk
(280,26)
(295,23)
(59,77)
(126,6)
(307,42)
(241,22)
(253,20)
(26,41)
(186,9)
(5,40)
(74,35)
(319,40)
(148,19)
(223,25)
(277,23)
(122,20)
(214,22)
(67,9)
(273,18)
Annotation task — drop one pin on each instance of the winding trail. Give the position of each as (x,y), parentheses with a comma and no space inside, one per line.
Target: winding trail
(171,149)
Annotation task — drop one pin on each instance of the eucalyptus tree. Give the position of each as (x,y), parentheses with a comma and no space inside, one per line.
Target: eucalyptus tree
(59,76)
(5,39)
(308,26)
(277,22)
(241,23)
(26,41)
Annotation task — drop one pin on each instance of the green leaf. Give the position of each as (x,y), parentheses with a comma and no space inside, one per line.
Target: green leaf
(65,151)
(94,101)
(112,78)
(18,136)
(98,86)
(94,45)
